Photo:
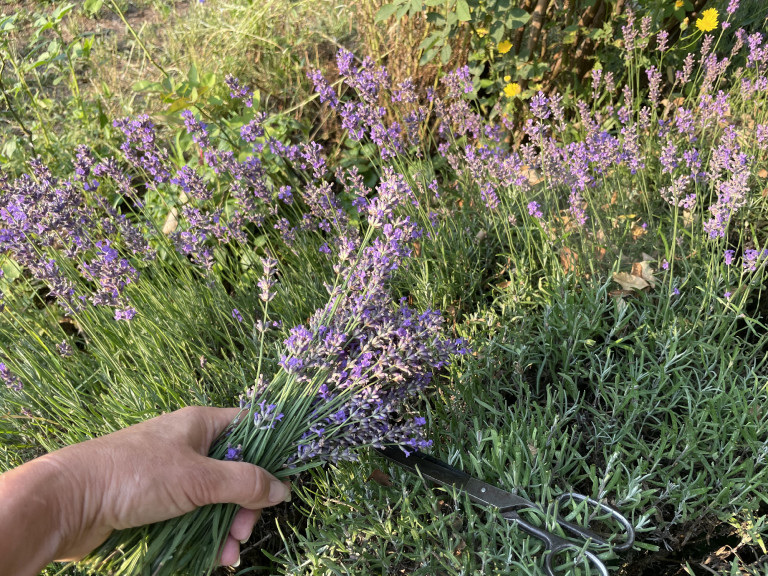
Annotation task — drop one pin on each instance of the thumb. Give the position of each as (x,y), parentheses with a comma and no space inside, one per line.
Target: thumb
(229,482)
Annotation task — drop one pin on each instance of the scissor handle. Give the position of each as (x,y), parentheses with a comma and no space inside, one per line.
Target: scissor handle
(589,534)
(556,545)
(594,561)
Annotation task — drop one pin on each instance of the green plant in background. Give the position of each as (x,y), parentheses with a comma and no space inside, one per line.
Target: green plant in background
(38,62)
(532,44)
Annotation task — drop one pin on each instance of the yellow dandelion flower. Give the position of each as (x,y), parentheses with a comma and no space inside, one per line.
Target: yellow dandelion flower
(708,20)
(512,90)
(504,47)
(679,4)
(507,78)
(481,31)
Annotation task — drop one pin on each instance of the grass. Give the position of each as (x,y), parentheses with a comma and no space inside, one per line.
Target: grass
(650,400)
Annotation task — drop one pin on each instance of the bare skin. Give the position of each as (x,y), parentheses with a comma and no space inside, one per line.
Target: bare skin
(63,505)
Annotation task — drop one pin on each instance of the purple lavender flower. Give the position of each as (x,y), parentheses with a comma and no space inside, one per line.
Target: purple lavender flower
(9,379)
(597,74)
(761,136)
(323,89)
(654,83)
(125,313)
(752,258)
(682,76)
(111,274)
(239,91)
(192,183)
(539,106)
(254,129)
(533,210)
(266,417)
(236,315)
(630,33)
(661,40)
(196,129)
(489,196)
(140,147)
(267,281)
(728,256)
(64,348)
(234,453)
(458,82)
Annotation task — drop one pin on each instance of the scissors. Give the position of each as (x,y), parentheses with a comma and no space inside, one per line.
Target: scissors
(509,504)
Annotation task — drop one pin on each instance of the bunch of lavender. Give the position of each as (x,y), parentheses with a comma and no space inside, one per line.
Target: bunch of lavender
(343,385)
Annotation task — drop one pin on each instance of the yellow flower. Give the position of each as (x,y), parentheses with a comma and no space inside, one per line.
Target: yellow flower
(679,4)
(708,20)
(504,47)
(507,78)
(481,31)
(512,90)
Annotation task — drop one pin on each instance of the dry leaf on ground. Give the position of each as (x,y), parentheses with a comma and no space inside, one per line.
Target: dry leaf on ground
(643,270)
(381,478)
(630,281)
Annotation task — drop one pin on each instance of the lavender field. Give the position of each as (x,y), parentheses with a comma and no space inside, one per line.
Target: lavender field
(541,259)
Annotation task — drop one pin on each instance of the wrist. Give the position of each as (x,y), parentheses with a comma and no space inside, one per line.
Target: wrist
(33,515)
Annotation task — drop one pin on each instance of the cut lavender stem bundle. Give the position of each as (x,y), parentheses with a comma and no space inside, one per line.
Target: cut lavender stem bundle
(344,382)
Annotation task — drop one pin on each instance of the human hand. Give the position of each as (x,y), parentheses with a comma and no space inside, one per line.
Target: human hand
(150,472)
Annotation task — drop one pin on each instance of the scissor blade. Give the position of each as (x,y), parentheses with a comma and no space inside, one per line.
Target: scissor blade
(442,473)
(429,467)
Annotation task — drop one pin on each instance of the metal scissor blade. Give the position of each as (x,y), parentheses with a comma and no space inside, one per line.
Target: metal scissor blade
(442,473)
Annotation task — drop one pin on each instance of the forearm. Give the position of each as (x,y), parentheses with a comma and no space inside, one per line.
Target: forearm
(31,516)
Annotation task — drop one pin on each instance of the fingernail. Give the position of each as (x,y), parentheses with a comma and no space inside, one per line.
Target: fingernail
(236,564)
(278,492)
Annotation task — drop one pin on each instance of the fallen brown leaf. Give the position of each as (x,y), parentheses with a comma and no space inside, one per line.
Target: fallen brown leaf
(621,293)
(171,221)
(643,270)
(637,231)
(569,260)
(630,281)
(381,478)
(599,253)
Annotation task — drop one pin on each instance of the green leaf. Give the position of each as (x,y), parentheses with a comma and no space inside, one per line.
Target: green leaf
(570,34)
(427,57)
(7,24)
(433,3)
(517,18)
(92,7)
(167,85)
(192,75)
(62,11)
(462,11)
(497,31)
(433,39)
(178,104)
(146,85)
(445,53)
(8,150)
(208,79)
(386,11)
